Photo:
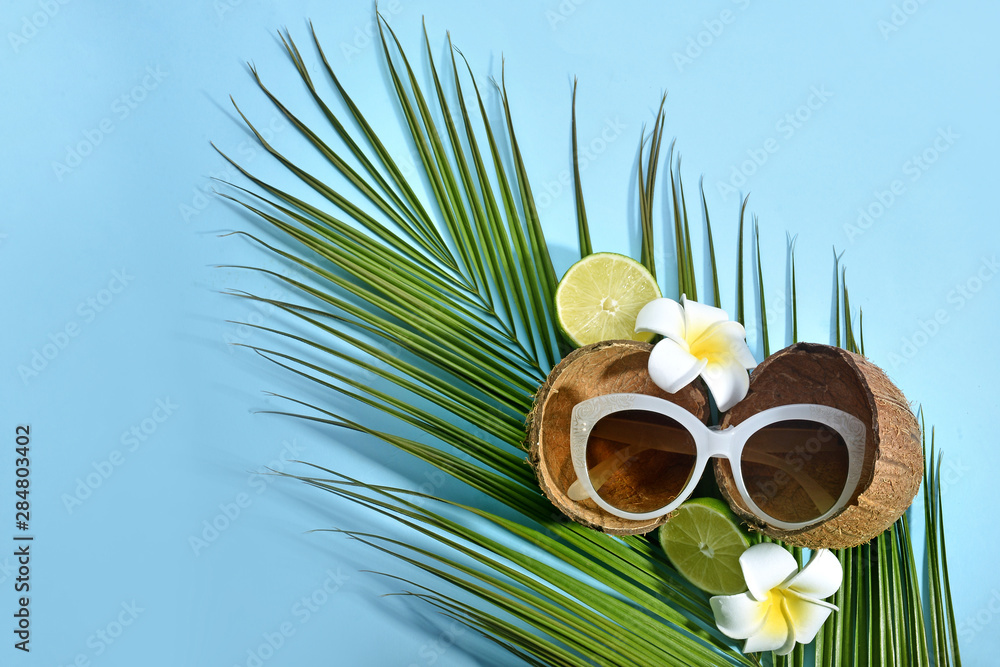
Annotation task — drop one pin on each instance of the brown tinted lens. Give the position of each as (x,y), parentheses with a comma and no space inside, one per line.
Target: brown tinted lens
(795,470)
(639,461)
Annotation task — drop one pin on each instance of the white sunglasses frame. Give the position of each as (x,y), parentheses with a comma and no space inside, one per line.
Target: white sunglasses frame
(713,442)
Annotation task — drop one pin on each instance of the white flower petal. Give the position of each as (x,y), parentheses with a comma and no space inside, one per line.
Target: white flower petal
(738,616)
(820,578)
(725,348)
(773,634)
(662,316)
(726,339)
(766,566)
(672,367)
(806,616)
(699,317)
(745,356)
(728,381)
(787,647)
(736,341)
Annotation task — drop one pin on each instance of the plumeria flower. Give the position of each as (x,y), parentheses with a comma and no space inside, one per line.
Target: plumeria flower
(784,605)
(698,340)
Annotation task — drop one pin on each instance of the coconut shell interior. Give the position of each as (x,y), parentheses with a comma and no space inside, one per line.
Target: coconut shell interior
(603,368)
(893,461)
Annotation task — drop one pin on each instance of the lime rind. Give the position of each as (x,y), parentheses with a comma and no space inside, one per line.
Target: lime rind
(600,296)
(704,541)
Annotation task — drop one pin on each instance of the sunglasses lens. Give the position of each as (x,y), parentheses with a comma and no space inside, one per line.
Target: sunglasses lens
(640,461)
(795,470)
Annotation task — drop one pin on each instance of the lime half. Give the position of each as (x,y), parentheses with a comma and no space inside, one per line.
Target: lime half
(600,297)
(704,541)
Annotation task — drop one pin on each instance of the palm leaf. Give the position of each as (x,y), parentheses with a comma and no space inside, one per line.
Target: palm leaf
(460,289)
(581,210)
(647,188)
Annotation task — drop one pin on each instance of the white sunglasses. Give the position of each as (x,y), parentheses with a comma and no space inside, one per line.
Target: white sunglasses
(639,457)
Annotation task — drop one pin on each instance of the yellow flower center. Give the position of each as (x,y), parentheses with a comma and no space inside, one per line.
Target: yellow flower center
(712,349)
(776,621)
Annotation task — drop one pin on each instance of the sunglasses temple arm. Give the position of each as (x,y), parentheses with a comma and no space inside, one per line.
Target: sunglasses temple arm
(819,496)
(603,471)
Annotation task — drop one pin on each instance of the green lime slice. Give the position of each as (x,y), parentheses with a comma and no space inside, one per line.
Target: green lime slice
(704,541)
(600,297)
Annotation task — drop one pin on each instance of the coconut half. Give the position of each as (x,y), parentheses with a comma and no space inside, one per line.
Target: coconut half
(893,461)
(609,367)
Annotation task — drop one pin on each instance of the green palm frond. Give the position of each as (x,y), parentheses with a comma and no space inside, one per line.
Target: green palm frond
(456,280)
(581,210)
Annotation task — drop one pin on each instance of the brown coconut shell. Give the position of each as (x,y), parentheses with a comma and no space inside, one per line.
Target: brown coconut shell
(608,367)
(893,462)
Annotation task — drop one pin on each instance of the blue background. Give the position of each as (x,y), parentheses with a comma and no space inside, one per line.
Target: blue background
(107,262)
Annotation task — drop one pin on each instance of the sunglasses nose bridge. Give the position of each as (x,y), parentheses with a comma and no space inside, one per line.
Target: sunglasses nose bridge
(718,442)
